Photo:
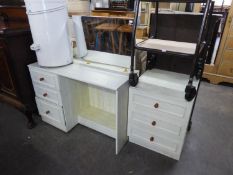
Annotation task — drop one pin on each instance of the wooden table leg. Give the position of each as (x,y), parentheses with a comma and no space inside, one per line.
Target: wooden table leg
(120,42)
(99,38)
(98,41)
(113,45)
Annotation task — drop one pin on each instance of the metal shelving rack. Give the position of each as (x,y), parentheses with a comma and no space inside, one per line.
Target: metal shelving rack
(198,53)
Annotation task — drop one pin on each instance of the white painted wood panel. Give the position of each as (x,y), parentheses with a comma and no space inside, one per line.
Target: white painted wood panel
(163,143)
(48,94)
(122,96)
(51,114)
(102,99)
(69,98)
(97,127)
(163,106)
(161,114)
(99,116)
(101,78)
(145,143)
(166,79)
(43,78)
(167,129)
(168,95)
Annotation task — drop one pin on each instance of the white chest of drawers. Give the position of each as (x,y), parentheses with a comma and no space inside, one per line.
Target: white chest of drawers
(48,97)
(158,112)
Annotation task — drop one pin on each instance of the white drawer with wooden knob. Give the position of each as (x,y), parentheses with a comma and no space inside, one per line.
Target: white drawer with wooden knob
(166,115)
(51,114)
(175,97)
(44,78)
(156,125)
(153,141)
(155,104)
(48,94)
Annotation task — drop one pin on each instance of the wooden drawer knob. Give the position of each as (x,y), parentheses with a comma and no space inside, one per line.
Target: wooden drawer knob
(156,105)
(152,139)
(47,112)
(45,94)
(153,123)
(42,79)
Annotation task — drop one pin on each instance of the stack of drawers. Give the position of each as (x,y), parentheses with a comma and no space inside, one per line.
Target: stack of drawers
(48,97)
(158,119)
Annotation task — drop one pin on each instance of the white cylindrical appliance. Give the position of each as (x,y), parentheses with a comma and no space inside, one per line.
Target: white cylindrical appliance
(48,20)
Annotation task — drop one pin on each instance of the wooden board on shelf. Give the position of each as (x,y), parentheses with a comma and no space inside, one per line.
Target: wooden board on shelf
(99,116)
(115,14)
(166,45)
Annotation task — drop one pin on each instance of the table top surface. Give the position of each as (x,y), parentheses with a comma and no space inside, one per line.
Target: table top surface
(125,28)
(108,79)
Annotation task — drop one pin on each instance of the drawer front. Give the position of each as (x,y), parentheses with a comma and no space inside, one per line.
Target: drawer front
(155,125)
(226,69)
(47,94)
(177,97)
(51,113)
(157,105)
(44,79)
(151,141)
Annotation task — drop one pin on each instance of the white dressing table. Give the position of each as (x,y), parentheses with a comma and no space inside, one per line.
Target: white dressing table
(92,94)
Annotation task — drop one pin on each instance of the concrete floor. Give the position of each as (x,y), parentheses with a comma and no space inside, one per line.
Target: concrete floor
(45,150)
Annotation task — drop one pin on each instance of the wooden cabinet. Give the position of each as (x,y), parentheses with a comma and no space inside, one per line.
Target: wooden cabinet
(15,54)
(226,68)
(7,84)
(222,70)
